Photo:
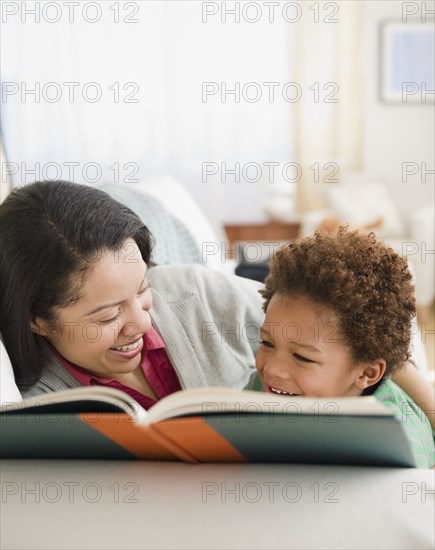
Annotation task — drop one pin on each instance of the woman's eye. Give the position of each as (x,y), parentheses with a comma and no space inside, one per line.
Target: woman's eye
(266,344)
(143,290)
(112,320)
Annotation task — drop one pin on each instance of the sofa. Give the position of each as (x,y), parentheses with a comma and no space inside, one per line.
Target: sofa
(369,204)
(182,235)
(120,504)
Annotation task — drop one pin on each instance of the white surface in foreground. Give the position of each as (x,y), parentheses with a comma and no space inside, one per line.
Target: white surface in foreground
(169,505)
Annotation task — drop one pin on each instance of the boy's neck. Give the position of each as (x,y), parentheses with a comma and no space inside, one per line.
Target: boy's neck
(371,389)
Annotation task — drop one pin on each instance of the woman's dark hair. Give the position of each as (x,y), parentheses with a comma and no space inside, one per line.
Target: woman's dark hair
(366,283)
(51,234)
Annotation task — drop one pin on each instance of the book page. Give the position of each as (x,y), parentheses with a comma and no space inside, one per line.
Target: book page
(221,400)
(96,394)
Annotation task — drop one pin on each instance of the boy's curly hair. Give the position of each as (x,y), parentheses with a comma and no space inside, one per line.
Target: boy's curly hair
(367,284)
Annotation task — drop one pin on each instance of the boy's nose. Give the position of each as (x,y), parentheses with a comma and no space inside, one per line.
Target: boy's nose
(277,369)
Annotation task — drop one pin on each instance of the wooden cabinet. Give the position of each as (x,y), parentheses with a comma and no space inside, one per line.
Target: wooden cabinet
(271,231)
(259,233)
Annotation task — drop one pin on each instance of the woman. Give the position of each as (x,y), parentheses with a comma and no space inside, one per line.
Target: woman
(76,303)
(81,304)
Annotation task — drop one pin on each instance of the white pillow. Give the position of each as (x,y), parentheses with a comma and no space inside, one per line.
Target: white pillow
(9,392)
(364,203)
(180,203)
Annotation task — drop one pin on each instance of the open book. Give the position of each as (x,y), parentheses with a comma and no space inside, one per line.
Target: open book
(204,425)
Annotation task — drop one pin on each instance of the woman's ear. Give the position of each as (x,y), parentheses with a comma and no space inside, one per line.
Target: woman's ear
(39,326)
(370,374)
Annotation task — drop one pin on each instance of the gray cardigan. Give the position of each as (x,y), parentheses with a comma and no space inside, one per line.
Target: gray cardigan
(208,320)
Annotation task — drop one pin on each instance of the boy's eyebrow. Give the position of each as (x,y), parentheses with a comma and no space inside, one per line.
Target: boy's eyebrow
(307,346)
(105,306)
(264,329)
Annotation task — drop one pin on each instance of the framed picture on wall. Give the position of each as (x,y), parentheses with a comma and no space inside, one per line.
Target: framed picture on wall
(406,62)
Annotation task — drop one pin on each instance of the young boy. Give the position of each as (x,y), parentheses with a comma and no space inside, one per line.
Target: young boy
(338,323)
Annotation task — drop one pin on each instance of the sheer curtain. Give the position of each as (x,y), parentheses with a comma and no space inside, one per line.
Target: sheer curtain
(152,117)
(328,128)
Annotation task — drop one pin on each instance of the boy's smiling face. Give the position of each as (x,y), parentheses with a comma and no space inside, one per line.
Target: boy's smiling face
(302,352)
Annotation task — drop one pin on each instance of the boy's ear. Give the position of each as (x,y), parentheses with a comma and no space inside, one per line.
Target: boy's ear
(370,374)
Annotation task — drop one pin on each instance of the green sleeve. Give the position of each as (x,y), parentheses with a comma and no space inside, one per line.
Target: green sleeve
(254,383)
(414,422)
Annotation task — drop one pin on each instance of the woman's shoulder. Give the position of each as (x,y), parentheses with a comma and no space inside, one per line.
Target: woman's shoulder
(195,277)
(220,294)
(210,294)
(54,378)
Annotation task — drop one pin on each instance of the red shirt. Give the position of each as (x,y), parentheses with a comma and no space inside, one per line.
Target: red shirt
(156,366)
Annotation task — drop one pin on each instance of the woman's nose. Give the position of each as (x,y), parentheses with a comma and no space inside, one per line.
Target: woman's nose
(138,323)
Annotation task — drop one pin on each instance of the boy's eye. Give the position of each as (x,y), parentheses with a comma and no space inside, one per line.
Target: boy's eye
(266,344)
(302,358)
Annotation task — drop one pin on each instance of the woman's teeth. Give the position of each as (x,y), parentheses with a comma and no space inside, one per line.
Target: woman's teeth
(130,347)
(282,392)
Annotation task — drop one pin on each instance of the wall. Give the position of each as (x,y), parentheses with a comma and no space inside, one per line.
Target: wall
(394,133)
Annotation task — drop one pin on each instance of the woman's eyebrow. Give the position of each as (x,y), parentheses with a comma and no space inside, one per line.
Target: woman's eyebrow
(106,306)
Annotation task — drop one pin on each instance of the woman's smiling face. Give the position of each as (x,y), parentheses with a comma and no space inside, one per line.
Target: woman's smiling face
(302,352)
(102,331)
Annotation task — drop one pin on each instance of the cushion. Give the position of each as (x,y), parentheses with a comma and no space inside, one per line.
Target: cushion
(366,204)
(173,242)
(181,204)
(9,392)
